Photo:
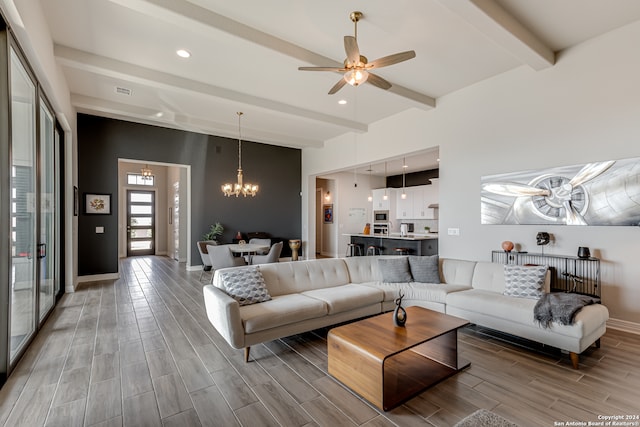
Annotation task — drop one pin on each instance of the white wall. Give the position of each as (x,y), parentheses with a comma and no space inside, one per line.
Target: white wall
(585,108)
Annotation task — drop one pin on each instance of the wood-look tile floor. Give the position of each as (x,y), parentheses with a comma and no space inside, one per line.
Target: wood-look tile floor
(140,351)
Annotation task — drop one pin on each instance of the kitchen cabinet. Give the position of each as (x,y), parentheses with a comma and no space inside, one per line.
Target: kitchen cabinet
(379,204)
(404,207)
(416,205)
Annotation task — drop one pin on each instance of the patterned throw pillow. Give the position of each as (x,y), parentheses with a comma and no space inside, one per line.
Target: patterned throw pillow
(524,281)
(395,270)
(245,285)
(424,269)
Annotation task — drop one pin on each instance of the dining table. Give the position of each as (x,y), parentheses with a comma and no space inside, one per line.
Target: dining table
(248,249)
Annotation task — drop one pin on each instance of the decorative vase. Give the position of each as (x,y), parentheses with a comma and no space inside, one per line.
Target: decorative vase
(399,314)
(294,244)
(507,246)
(583,252)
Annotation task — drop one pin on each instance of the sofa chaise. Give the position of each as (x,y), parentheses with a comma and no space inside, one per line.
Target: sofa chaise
(304,295)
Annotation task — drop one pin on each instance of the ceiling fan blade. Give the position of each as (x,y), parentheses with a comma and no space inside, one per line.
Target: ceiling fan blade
(573,216)
(321,69)
(392,59)
(590,171)
(378,81)
(515,189)
(337,86)
(352,50)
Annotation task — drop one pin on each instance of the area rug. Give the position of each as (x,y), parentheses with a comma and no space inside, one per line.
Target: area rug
(484,418)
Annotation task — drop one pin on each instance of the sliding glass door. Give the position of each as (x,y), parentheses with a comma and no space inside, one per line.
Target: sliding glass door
(48,244)
(23,206)
(34,208)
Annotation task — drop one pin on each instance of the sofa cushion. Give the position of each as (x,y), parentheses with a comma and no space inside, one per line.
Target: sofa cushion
(519,310)
(395,270)
(245,285)
(524,281)
(284,278)
(425,269)
(417,291)
(457,271)
(346,297)
(281,310)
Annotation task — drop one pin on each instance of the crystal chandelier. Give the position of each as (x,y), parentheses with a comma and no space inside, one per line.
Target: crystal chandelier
(146,172)
(239,187)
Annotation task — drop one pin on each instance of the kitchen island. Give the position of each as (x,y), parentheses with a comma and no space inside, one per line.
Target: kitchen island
(416,244)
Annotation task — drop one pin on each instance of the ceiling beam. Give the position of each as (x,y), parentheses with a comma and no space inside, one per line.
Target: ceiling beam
(121,111)
(102,65)
(498,25)
(189,15)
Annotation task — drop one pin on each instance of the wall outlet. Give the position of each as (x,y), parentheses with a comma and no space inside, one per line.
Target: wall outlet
(453,231)
(99,230)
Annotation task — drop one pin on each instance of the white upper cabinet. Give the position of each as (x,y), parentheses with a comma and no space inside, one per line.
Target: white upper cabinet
(379,203)
(404,209)
(419,198)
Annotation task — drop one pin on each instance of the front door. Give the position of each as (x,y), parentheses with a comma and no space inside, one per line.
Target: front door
(141,223)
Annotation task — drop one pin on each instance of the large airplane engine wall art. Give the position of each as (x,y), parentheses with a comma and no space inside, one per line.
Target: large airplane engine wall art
(600,193)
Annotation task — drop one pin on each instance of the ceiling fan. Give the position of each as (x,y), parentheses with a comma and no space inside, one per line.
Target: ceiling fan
(356,67)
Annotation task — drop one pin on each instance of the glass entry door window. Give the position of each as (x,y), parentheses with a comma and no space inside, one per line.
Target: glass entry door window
(140,223)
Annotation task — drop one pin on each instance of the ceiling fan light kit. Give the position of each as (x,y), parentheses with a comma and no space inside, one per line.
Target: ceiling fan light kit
(356,67)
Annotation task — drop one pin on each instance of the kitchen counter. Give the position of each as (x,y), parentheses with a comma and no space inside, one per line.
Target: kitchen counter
(397,236)
(416,244)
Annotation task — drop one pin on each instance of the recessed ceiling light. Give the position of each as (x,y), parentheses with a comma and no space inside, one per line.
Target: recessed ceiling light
(342,102)
(438,159)
(182,53)
(159,114)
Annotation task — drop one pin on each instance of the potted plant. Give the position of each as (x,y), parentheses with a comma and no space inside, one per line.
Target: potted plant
(215,231)
(427,229)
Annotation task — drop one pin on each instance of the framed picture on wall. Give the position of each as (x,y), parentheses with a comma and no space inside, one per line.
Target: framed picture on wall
(328,214)
(97,204)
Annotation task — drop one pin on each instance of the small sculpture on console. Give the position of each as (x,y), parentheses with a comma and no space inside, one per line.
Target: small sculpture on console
(399,314)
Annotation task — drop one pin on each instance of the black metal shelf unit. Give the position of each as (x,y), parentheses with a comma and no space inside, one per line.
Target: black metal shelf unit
(568,273)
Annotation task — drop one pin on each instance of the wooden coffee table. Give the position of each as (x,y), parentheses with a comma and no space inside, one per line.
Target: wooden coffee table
(386,364)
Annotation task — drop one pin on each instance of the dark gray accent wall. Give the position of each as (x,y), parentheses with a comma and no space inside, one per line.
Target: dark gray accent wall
(213,160)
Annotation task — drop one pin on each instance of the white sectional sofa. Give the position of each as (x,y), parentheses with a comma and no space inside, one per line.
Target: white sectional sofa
(307,295)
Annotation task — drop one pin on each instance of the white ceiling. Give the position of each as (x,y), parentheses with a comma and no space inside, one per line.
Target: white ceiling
(246,54)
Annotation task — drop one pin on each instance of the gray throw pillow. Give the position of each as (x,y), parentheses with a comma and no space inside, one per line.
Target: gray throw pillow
(524,281)
(425,269)
(245,285)
(395,270)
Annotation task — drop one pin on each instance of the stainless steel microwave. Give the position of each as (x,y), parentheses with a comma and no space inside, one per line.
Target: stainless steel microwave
(380,216)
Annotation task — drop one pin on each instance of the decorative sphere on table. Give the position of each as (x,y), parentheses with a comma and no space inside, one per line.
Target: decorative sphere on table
(507,246)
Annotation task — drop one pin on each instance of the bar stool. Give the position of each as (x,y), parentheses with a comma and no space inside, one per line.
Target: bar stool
(374,250)
(401,251)
(353,249)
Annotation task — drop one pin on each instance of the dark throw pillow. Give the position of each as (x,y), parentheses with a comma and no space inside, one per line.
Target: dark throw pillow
(425,269)
(395,270)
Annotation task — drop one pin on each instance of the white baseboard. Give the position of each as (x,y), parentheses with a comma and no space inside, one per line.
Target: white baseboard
(98,277)
(194,267)
(623,325)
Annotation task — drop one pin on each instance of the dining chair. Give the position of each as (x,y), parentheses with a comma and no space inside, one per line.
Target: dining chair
(265,242)
(204,255)
(272,256)
(222,257)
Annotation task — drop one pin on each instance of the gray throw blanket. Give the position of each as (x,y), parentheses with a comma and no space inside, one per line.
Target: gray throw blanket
(560,307)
